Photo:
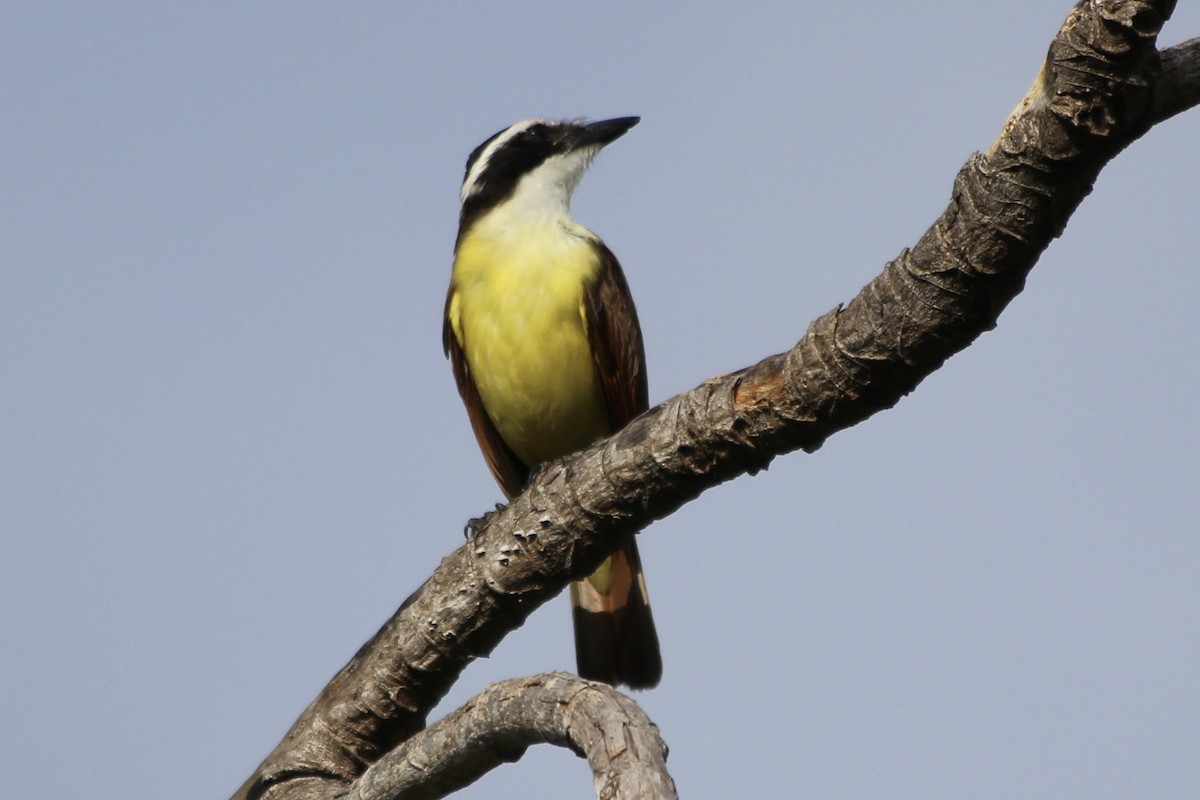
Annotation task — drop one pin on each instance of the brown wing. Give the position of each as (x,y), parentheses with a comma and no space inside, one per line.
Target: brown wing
(615,638)
(616,342)
(510,472)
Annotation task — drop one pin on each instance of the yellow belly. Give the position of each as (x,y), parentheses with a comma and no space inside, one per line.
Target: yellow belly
(520,316)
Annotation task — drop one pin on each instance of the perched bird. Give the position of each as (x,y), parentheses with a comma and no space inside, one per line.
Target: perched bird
(547,352)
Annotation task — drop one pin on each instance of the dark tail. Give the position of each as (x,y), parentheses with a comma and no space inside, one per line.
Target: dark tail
(615,640)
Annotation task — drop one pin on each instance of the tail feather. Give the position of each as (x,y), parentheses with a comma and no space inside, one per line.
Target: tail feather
(615,639)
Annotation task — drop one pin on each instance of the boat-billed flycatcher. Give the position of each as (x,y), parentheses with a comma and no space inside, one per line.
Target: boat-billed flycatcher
(547,352)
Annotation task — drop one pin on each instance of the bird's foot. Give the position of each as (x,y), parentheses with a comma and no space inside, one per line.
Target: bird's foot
(477,524)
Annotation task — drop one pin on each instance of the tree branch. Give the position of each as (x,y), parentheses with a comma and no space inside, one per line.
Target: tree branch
(622,745)
(1101,88)
(1179,88)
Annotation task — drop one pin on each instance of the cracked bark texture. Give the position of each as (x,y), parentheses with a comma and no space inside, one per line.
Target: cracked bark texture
(1102,86)
(623,747)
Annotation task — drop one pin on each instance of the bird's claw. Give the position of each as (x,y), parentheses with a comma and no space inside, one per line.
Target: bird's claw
(477,524)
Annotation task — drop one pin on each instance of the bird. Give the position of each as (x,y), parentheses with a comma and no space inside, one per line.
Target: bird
(547,352)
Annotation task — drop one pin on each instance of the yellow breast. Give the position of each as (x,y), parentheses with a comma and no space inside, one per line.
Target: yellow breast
(518,311)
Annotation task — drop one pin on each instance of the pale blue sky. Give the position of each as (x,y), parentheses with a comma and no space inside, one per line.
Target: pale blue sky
(231,445)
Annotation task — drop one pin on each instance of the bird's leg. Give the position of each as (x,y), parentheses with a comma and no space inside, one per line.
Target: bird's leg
(476,524)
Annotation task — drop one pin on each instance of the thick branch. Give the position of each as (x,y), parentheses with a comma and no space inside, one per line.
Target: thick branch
(1179,88)
(622,745)
(1101,88)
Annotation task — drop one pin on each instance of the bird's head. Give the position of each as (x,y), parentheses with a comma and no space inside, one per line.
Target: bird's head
(535,165)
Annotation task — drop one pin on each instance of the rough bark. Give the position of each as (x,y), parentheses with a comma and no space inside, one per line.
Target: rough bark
(626,753)
(1103,85)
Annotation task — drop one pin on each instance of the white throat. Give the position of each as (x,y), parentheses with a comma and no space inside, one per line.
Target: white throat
(546,191)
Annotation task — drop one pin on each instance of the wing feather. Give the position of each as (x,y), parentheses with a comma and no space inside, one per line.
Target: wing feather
(509,471)
(618,353)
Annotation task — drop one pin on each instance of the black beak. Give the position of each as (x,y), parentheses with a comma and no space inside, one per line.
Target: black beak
(603,132)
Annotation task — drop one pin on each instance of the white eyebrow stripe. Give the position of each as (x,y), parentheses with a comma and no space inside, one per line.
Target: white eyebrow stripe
(471,183)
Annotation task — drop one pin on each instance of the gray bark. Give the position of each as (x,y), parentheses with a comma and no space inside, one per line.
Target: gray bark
(1103,85)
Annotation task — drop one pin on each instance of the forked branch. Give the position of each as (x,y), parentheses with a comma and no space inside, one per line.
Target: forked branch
(1102,86)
